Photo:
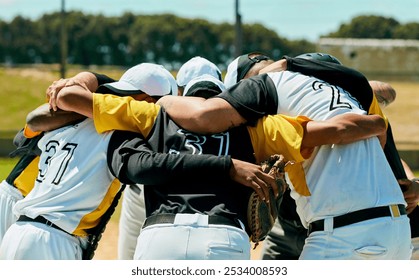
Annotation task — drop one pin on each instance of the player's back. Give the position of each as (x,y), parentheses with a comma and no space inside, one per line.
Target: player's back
(357,172)
(73,179)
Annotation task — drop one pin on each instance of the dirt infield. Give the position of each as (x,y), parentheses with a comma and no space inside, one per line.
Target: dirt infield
(107,249)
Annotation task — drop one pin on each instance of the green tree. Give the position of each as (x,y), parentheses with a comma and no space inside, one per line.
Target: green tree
(407,31)
(130,39)
(368,26)
(23,41)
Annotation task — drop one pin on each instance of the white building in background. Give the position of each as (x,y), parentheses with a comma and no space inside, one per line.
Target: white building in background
(376,58)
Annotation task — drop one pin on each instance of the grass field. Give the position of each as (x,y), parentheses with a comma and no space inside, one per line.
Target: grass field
(24,88)
(6,165)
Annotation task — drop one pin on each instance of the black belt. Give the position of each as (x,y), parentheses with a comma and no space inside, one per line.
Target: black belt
(39,219)
(359,216)
(169,218)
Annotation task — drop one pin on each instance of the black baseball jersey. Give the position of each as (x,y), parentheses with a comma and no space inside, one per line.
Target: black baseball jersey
(179,183)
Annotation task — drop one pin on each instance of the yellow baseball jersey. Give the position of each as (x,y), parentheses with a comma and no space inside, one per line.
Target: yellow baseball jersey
(123,113)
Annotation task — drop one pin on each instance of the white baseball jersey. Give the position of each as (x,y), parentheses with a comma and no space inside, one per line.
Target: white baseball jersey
(9,195)
(74,186)
(338,178)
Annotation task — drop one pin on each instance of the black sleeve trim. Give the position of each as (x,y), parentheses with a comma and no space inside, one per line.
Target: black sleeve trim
(253,98)
(347,78)
(102,78)
(393,156)
(25,145)
(133,162)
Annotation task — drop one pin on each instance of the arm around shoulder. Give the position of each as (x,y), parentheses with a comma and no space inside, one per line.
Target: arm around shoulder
(44,119)
(200,115)
(344,129)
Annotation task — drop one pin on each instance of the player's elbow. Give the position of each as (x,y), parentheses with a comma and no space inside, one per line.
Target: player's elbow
(33,123)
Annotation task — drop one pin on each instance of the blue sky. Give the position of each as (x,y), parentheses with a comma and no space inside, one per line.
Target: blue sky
(293,19)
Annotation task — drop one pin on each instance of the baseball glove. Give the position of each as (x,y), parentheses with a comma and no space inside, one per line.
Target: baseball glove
(261,215)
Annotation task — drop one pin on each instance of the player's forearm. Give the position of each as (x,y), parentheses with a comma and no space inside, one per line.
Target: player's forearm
(76,99)
(87,79)
(135,162)
(354,127)
(201,115)
(43,119)
(342,129)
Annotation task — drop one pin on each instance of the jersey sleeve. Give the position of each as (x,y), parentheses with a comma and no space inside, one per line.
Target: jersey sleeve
(358,86)
(111,112)
(133,161)
(278,134)
(26,145)
(375,109)
(28,133)
(339,75)
(393,157)
(24,173)
(102,78)
(253,98)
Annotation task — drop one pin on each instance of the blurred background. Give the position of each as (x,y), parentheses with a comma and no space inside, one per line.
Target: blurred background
(44,40)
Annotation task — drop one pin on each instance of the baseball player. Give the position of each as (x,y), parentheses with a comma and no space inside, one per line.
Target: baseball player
(133,206)
(245,66)
(287,239)
(49,252)
(73,181)
(193,68)
(20,180)
(293,93)
(193,209)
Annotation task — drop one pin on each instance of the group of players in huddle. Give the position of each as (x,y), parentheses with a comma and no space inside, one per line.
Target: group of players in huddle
(184,156)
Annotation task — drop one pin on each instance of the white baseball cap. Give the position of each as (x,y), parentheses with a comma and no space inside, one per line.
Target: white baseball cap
(195,67)
(204,86)
(239,67)
(152,79)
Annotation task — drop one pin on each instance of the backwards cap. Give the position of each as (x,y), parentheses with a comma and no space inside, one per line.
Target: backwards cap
(320,56)
(204,86)
(195,67)
(239,67)
(152,79)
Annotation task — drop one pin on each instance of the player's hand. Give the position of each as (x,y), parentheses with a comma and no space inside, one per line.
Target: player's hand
(251,175)
(411,195)
(52,91)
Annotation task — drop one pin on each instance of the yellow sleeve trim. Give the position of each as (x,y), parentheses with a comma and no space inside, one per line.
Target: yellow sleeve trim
(112,112)
(26,180)
(278,134)
(375,109)
(28,133)
(92,219)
